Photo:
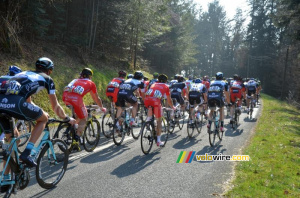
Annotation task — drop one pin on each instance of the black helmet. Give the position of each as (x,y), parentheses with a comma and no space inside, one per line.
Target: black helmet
(44,63)
(122,73)
(86,73)
(180,78)
(162,78)
(13,70)
(130,76)
(138,75)
(176,77)
(219,76)
(146,78)
(235,77)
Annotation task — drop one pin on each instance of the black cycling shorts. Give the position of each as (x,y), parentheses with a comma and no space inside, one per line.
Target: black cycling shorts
(250,92)
(122,98)
(178,97)
(17,107)
(215,99)
(195,98)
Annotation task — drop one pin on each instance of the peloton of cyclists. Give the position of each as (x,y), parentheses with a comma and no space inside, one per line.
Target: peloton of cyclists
(237,92)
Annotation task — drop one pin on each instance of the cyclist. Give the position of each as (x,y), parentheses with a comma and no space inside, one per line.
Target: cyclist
(177,90)
(146,82)
(251,88)
(113,86)
(73,95)
(217,93)
(237,90)
(206,82)
(17,102)
(189,82)
(154,80)
(129,76)
(12,70)
(197,95)
(174,80)
(153,98)
(129,91)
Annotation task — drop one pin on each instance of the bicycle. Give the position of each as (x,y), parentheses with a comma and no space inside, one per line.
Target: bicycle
(148,133)
(236,115)
(141,113)
(179,115)
(252,105)
(195,123)
(124,127)
(50,152)
(214,129)
(91,133)
(108,120)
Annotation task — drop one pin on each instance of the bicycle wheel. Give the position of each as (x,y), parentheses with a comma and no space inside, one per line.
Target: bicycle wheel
(135,134)
(91,135)
(52,164)
(190,128)
(181,120)
(147,137)
(10,188)
(107,125)
(64,132)
(118,134)
(212,134)
(23,127)
(164,132)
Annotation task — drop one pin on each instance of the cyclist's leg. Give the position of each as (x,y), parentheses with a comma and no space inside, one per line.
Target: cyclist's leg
(222,114)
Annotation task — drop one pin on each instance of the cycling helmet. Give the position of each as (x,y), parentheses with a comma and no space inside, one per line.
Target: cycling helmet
(205,78)
(219,76)
(180,78)
(176,76)
(235,77)
(190,77)
(138,75)
(13,70)
(155,75)
(86,73)
(162,78)
(198,80)
(130,76)
(122,73)
(44,63)
(146,78)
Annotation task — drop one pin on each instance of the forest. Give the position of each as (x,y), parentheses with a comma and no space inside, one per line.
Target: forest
(166,36)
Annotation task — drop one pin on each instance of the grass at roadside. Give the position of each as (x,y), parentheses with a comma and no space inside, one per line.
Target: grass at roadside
(274,166)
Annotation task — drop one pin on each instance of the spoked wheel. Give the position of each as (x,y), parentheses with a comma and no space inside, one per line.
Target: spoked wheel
(164,132)
(181,119)
(107,125)
(135,134)
(191,128)
(23,127)
(213,132)
(52,164)
(91,135)
(10,187)
(147,137)
(118,134)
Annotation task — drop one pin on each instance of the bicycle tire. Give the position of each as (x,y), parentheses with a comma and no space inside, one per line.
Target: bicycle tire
(182,116)
(11,187)
(147,137)
(91,135)
(168,120)
(64,133)
(118,136)
(164,132)
(59,166)
(190,129)
(212,134)
(107,125)
(135,135)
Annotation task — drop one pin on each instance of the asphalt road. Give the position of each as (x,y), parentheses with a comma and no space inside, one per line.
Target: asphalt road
(124,171)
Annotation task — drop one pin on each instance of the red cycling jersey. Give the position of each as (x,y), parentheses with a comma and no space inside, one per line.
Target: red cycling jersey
(236,89)
(74,92)
(113,88)
(153,96)
(206,83)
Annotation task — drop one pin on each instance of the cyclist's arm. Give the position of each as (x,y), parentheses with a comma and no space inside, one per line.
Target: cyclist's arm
(59,111)
(205,97)
(227,97)
(170,102)
(97,99)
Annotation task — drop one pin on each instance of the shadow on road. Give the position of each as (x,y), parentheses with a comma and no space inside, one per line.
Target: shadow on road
(233,132)
(210,151)
(135,165)
(107,153)
(186,142)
